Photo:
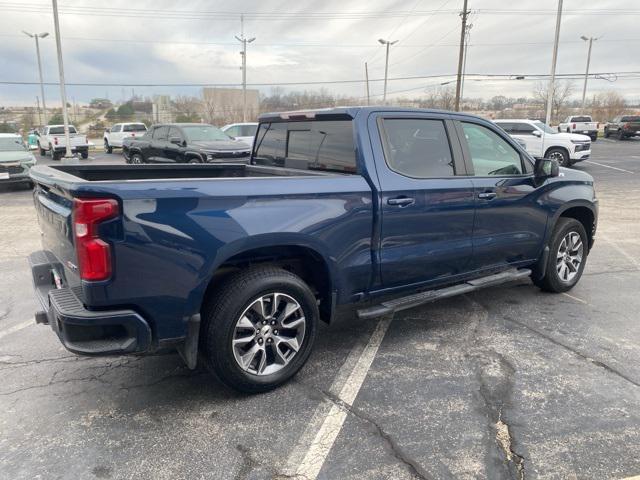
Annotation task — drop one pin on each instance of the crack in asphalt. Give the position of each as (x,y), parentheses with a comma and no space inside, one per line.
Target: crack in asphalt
(412,465)
(578,353)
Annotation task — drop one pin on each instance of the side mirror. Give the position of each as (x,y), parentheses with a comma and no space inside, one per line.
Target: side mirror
(546,167)
(175,140)
(536,133)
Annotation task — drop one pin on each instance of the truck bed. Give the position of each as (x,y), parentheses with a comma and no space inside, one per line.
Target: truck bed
(97,173)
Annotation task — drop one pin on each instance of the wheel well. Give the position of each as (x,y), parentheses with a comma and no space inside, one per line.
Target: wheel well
(303,262)
(556,148)
(189,156)
(585,217)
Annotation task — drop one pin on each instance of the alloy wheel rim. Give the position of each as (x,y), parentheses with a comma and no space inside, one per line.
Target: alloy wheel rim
(268,334)
(569,257)
(557,156)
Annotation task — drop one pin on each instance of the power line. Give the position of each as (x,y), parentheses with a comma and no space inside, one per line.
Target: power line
(488,76)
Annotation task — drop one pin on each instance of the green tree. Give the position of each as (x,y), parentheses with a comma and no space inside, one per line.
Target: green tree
(56,119)
(111,114)
(188,118)
(125,110)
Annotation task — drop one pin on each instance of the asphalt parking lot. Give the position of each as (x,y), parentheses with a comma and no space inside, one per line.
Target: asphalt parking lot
(507,383)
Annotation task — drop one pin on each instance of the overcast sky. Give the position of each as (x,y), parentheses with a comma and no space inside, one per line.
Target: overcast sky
(164,42)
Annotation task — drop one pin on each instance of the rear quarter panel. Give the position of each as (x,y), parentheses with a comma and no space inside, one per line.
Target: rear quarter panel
(175,234)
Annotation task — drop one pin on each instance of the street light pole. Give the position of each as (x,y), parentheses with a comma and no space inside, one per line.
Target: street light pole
(243,53)
(551,88)
(586,74)
(36,36)
(464,63)
(388,43)
(63,93)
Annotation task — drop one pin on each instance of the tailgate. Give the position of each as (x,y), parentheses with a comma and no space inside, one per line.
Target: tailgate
(55,221)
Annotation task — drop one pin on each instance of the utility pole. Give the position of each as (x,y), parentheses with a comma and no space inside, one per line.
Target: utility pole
(243,53)
(586,74)
(463,31)
(551,88)
(388,43)
(63,93)
(36,36)
(464,63)
(366,75)
(38,108)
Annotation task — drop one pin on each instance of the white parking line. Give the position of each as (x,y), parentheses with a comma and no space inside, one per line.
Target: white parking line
(626,255)
(16,328)
(324,439)
(574,298)
(608,166)
(637,477)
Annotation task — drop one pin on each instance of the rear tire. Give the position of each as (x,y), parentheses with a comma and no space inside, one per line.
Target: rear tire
(137,159)
(107,148)
(568,250)
(560,155)
(43,152)
(245,296)
(54,155)
(84,154)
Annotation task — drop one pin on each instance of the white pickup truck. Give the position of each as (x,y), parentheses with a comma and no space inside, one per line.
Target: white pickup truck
(51,139)
(582,124)
(114,136)
(542,141)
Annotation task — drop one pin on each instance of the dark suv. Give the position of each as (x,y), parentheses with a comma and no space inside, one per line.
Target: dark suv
(623,126)
(184,143)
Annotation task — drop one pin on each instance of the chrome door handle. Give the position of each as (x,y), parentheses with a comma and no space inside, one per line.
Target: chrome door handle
(487,195)
(401,201)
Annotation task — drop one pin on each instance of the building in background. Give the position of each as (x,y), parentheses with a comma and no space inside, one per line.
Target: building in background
(162,111)
(224,105)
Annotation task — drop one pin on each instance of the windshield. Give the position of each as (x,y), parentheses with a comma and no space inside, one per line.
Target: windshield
(631,119)
(11,144)
(582,119)
(135,127)
(544,127)
(204,132)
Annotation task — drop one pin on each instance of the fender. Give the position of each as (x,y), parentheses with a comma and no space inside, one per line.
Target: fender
(265,240)
(592,206)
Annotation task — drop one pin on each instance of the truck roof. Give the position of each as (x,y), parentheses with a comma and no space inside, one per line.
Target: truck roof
(346,113)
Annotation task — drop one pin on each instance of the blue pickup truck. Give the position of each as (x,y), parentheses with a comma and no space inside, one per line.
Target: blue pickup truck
(363,210)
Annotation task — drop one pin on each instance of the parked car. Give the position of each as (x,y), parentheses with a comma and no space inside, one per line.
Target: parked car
(583,124)
(185,143)
(543,141)
(623,126)
(51,139)
(245,132)
(339,210)
(114,136)
(15,159)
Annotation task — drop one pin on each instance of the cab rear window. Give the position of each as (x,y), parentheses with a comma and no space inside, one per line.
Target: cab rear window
(135,127)
(314,145)
(60,130)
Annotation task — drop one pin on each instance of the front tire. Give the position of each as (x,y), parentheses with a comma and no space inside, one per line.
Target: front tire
(567,258)
(137,159)
(258,328)
(560,155)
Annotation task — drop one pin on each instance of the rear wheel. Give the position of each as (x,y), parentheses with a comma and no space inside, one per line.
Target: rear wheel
(107,147)
(54,154)
(84,154)
(567,258)
(194,160)
(43,152)
(258,328)
(559,155)
(137,159)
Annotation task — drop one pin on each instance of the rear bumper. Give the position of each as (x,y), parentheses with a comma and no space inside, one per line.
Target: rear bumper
(83,331)
(75,148)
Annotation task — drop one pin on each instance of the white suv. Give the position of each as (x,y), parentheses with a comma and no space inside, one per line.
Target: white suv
(244,132)
(114,136)
(541,141)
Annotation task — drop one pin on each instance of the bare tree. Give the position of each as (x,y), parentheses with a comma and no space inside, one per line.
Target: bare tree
(188,109)
(561,94)
(607,105)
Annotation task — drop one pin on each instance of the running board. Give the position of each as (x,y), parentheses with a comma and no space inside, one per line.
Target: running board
(415,300)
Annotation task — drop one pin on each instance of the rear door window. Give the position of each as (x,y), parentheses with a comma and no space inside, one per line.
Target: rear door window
(161,133)
(418,148)
(248,130)
(315,145)
(233,131)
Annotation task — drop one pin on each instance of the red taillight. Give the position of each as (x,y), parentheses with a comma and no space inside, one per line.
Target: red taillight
(574,126)
(94,254)
(627,126)
(55,140)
